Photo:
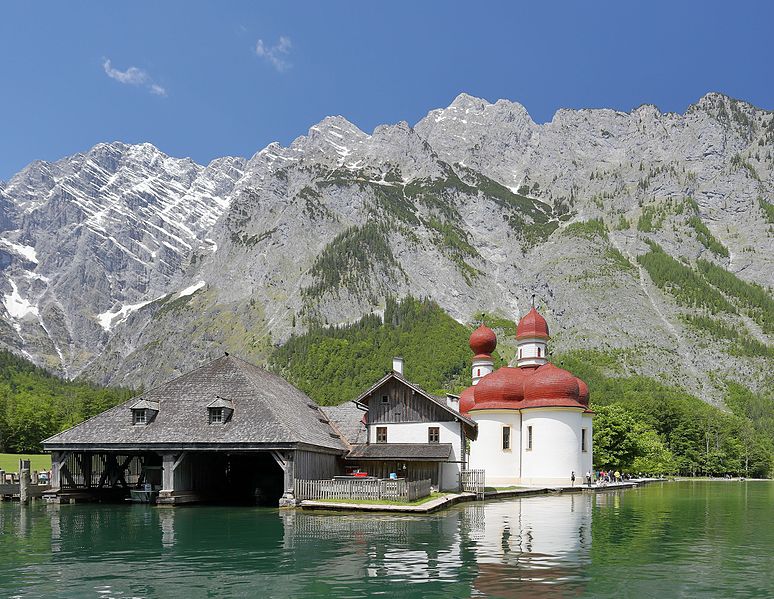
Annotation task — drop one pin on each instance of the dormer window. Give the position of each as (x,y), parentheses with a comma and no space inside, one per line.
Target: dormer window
(216,415)
(139,417)
(219,410)
(144,411)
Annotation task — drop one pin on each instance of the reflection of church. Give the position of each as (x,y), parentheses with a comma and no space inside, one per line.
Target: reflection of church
(534,421)
(531,547)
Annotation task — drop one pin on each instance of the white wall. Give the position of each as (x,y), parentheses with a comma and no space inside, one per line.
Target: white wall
(487,453)
(588,456)
(416,432)
(556,446)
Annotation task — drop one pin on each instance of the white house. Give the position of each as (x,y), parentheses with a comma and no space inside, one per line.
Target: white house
(397,427)
(534,421)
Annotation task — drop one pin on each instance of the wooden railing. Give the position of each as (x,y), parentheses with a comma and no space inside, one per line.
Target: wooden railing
(473,481)
(369,489)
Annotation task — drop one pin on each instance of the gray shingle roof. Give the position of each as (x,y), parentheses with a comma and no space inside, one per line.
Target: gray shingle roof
(401,451)
(267,410)
(347,419)
(440,401)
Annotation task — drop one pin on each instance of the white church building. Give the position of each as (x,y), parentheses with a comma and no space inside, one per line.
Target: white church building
(534,422)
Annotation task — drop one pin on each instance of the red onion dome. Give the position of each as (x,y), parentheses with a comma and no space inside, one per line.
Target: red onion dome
(532,325)
(466,400)
(583,392)
(501,389)
(483,340)
(550,386)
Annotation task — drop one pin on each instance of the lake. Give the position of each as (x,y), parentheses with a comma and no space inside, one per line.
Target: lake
(686,539)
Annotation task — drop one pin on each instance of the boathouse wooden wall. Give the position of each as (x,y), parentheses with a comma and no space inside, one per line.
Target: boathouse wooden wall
(311,465)
(403,405)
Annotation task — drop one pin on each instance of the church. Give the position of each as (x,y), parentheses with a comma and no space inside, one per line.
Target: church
(534,422)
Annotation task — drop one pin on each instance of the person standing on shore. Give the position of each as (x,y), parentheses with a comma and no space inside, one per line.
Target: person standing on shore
(617,476)
(572,478)
(588,478)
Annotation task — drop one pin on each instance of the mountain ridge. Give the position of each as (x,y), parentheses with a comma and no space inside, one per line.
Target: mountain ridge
(471,206)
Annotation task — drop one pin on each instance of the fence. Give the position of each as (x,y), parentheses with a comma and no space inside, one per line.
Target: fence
(472,481)
(370,489)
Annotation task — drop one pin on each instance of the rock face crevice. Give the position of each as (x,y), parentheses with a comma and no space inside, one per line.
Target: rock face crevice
(125,265)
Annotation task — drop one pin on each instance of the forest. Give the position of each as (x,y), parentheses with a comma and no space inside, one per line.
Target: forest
(35,404)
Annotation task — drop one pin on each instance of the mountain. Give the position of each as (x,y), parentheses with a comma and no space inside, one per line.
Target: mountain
(641,233)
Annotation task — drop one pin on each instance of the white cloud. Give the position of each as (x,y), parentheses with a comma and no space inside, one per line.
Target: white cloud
(277,54)
(133,76)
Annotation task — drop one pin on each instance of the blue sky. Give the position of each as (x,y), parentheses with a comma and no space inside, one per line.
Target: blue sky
(226,78)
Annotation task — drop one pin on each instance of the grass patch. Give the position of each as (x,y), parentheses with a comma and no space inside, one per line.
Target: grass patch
(10,461)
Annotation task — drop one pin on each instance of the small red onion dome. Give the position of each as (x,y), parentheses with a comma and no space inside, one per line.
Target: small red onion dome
(483,340)
(466,400)
(502,389)
(550,386)
(532,325)
(583,392)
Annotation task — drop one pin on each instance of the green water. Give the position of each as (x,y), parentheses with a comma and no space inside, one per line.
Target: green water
(709,539)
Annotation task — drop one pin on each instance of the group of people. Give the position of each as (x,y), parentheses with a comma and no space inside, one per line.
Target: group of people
(601,476)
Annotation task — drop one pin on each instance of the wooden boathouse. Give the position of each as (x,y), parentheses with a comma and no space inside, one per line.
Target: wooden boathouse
(225,431)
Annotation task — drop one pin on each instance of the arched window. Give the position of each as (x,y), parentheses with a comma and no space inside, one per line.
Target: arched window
(538,352)
(478,372)
(520,354)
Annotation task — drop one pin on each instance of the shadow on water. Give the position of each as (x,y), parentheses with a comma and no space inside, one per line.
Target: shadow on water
(616,544)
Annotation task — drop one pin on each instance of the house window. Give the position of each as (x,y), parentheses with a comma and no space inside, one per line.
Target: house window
(538,352)
(529,437)
(385,399)
(216,415)
(139,417)
(478,372)
(381,434)
(583,439)
(433,434)
(506,438)
(520,354)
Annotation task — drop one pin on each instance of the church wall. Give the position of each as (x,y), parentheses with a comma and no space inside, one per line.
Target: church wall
(588,455)
(487,453)
(556,446)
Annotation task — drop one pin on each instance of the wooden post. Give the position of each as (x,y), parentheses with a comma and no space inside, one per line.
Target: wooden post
(24,481)
(168,473)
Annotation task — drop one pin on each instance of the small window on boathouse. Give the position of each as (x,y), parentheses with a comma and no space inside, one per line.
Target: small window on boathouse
(139,416)
(433,434)
(216,415)
(385,399)
(144,411)
(219,410)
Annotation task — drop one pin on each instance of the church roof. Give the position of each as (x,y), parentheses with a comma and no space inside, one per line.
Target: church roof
(268,412)
(532,325)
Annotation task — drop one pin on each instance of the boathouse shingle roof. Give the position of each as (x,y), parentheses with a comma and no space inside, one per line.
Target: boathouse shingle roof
(267,410)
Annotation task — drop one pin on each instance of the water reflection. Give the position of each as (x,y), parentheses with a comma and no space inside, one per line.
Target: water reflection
(526,547)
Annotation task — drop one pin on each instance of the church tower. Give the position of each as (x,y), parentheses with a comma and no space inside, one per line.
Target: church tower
(532,340)
(483,342)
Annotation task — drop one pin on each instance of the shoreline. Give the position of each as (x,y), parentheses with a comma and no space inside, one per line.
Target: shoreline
(455,498)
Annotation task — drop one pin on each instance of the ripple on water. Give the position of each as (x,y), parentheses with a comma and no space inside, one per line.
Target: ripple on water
(665,541)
